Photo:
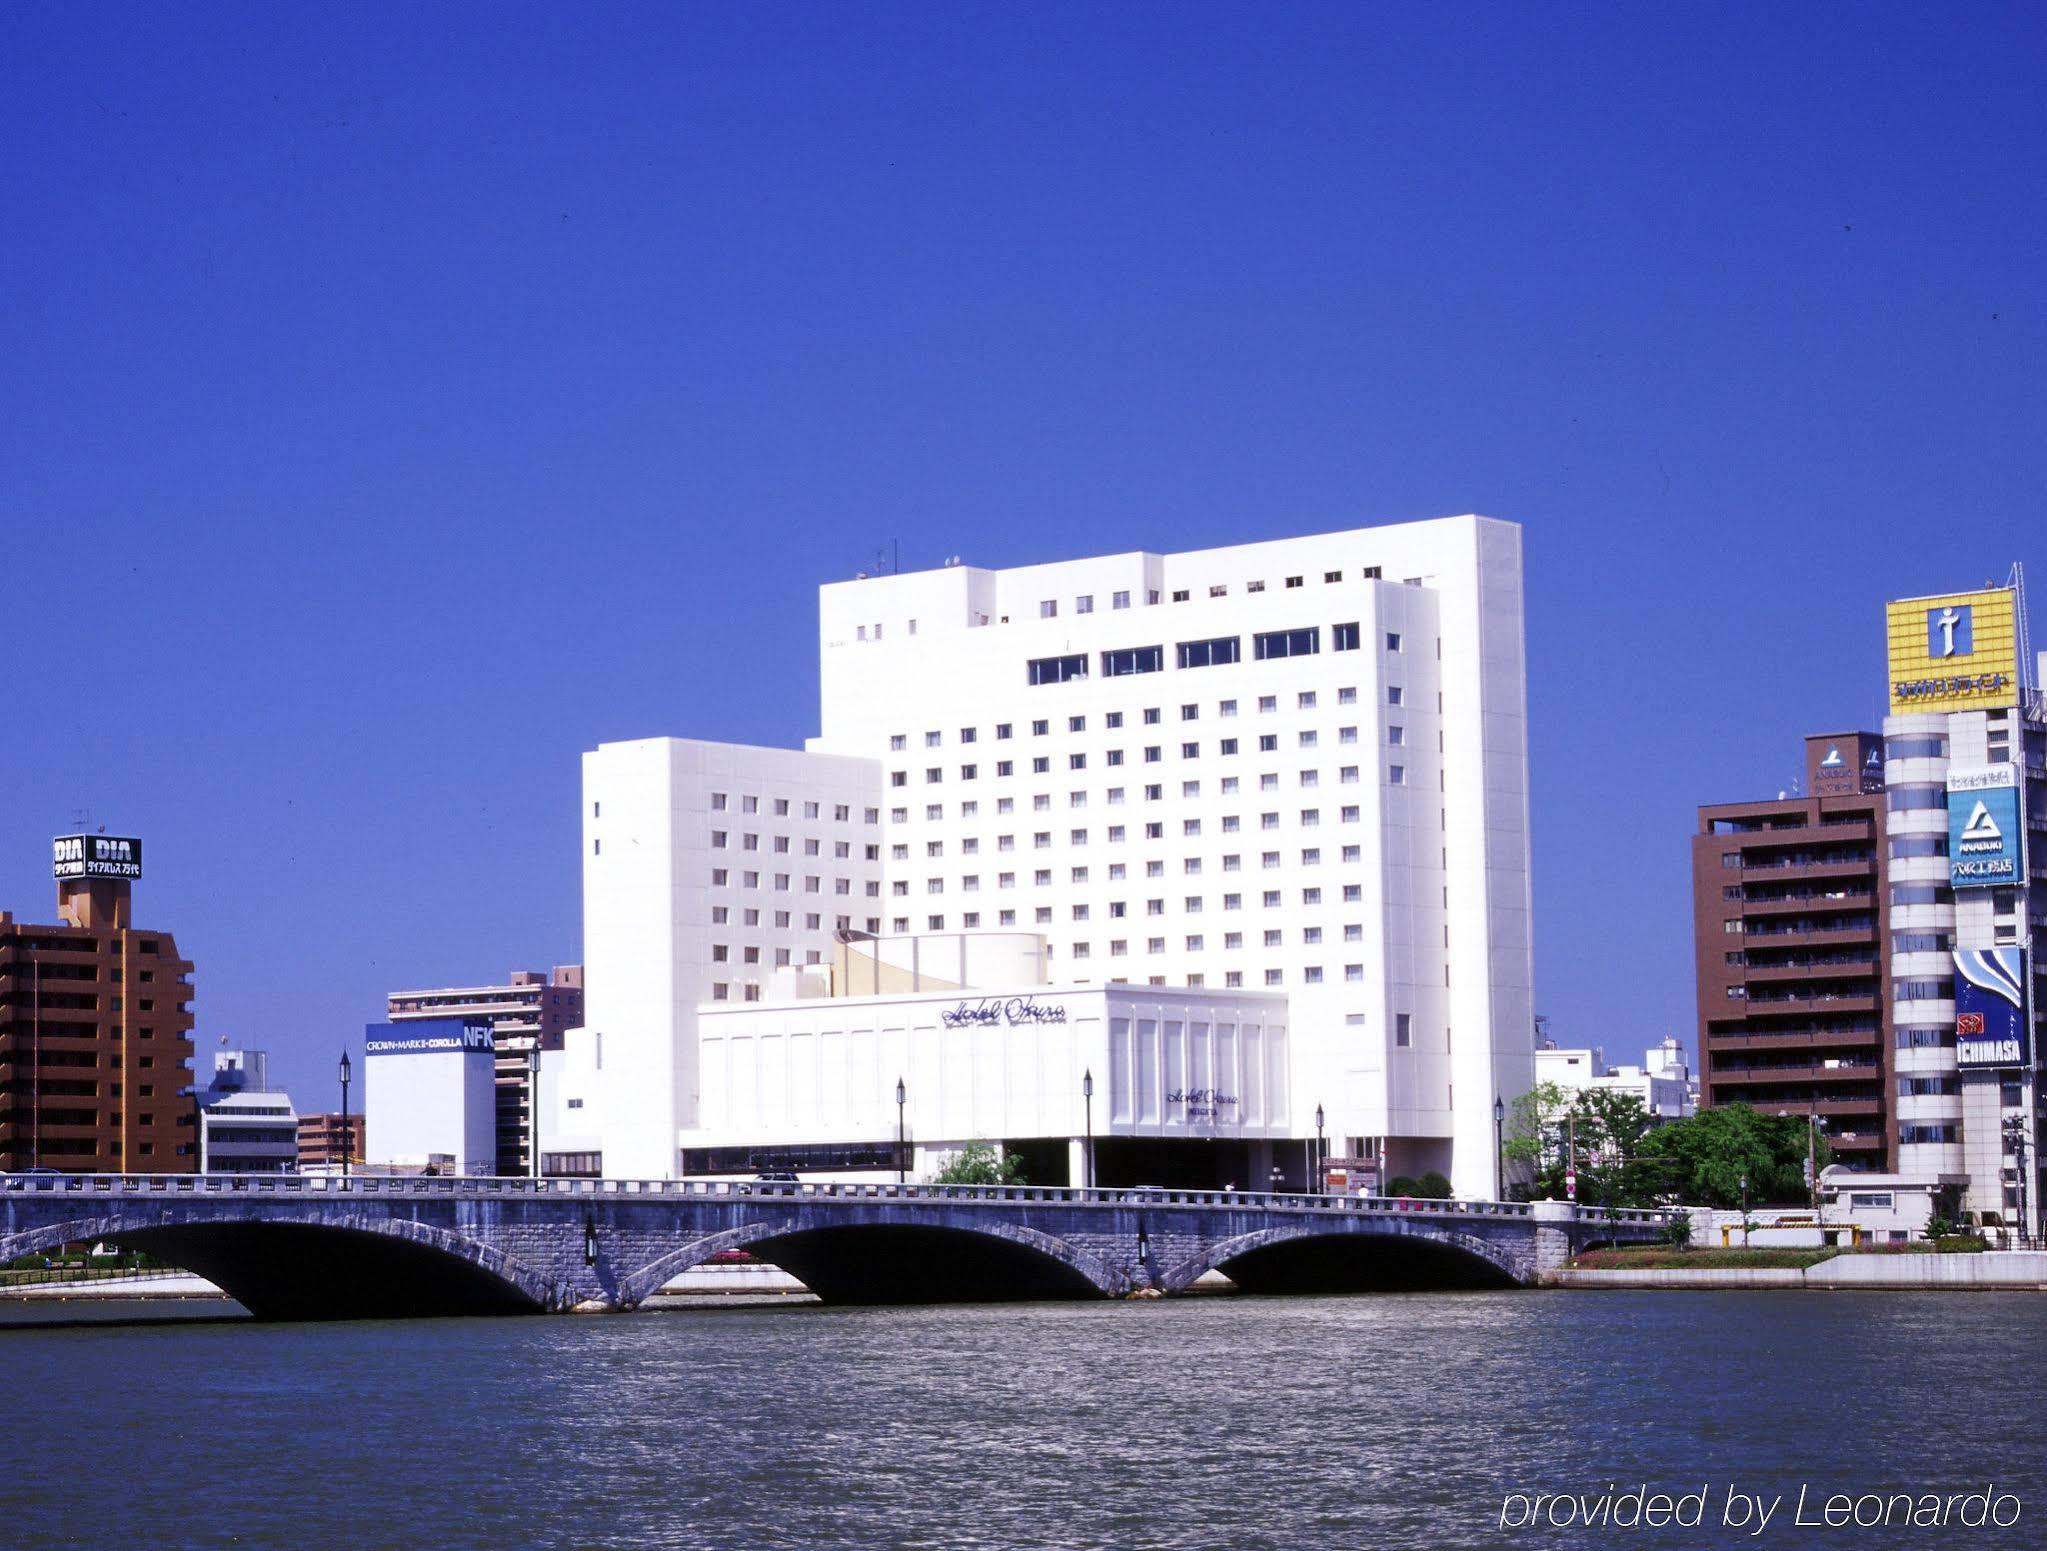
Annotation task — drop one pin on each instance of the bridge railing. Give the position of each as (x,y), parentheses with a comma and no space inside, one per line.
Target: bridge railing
(328,1187)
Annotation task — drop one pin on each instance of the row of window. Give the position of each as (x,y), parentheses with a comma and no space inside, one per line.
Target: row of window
(1118,834)
(842,812)
(1153,754)
(1218,651)
(1269,899)
(1152,716)
(721,877)
(1048,608)
(779,845)
(1921,1134)
(1117,796)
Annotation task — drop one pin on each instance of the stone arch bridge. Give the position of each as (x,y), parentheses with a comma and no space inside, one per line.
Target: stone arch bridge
(295,1247)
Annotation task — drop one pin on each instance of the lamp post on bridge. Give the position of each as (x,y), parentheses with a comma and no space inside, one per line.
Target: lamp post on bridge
(2015,1144)
(533,1110)
(347,1071)
(902,1161)
(1321,1173)
(1499,1148)
(1087,1096)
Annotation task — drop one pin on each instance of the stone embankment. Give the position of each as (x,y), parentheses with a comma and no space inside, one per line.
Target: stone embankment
(2022,1270)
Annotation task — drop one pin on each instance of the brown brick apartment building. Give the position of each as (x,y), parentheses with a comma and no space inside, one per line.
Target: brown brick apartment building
(95,1028)
(1788,904)
(325,1139)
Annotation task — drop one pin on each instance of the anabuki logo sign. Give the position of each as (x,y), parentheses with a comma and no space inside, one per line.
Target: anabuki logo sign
(1985,837)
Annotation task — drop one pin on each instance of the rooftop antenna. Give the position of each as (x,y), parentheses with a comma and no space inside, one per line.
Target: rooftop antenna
(2017,583)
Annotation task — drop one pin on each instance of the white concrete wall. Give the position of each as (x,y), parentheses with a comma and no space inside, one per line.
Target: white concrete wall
(443,1101)
(654,812)
(825,1070)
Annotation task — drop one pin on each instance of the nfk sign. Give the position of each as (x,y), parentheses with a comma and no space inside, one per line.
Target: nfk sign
(997,1010)
(96,856)
(1985,839)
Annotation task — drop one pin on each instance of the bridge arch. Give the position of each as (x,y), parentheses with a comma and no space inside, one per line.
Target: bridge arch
(883,1259)
(1353,1253)
(305,1265)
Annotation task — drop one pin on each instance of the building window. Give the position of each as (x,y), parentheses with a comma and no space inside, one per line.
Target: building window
(1133,659)
(1057,670)
(1214,653)
(1119,600)
(1403,1030)
(1270,644)
(1084,604)
(1048,608)
(1343,638)
(1392,640)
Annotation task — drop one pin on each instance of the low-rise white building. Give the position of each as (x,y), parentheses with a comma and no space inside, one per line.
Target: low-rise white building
(1663,1082)
(430,1096)
(1174,1084)
(246,1126)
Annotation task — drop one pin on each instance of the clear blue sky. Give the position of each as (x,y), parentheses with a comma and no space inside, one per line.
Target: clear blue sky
(396,401)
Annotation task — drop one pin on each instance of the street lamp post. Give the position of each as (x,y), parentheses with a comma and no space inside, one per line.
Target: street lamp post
(1087,1095)
(1499,1148)
(533,1110)
(2015,1142)
(902,1161)
(347,1071)
(1321,1173)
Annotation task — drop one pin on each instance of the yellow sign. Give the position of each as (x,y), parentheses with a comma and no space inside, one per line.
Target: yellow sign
(1958,651)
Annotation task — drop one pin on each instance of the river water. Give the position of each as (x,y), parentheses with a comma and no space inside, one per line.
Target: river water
(1389,1421)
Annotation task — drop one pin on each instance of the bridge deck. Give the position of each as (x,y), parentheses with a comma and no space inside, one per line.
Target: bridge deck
(297,1246)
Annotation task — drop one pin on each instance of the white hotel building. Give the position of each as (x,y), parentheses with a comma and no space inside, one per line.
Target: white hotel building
(1296,768)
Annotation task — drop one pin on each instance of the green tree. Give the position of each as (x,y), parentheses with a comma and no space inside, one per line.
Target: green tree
(980,1164)
(1433,1187)
(1534,1142)
(1614,1166)
(1702,1158)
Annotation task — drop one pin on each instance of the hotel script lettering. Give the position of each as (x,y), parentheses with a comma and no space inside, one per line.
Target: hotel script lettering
(998,1010)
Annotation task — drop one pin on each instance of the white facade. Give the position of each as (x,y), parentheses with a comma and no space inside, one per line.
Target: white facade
(1663,1082)
(1951,1121)
(246,1127)
(430,1092)
(1296,766)
(705,866)
(995,1064)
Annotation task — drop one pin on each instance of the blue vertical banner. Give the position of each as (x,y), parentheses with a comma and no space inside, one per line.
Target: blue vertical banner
(1990,1008)
(1985,837)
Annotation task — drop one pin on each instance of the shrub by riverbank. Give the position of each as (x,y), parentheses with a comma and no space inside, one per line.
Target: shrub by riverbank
(1701,1259)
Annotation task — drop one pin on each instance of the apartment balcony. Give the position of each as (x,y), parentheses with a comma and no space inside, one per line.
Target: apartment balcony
(1723,1076)
(1795,1039)
(1780,938)
(1844,968)
(1818,1002)
(1808,901)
